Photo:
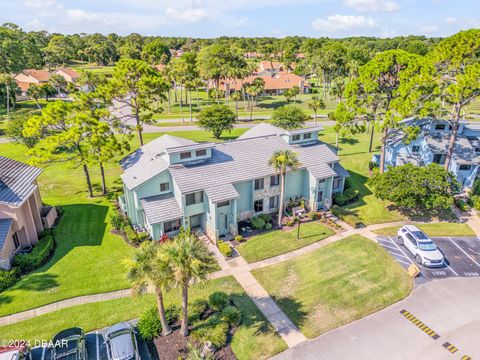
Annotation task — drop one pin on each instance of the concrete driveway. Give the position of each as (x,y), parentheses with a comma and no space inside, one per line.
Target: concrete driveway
(439,320)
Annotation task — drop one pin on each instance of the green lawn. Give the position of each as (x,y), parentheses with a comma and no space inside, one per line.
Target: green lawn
(254,339)
(279,242)
(434,229)
(335,285)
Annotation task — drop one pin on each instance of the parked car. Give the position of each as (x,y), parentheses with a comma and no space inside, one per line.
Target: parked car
(422,248)
(69,344)
(121,342)
(15,353)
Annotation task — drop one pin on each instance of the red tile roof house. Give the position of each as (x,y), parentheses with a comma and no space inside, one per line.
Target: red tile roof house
(22,214)
(30,76)
(69,74)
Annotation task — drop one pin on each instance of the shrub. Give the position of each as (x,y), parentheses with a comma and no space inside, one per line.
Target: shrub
(143,236)
(172,313)
(149,326)
(266,217)
(224,248)
(258,222)
(239,238)
(40,254)
(118,221)
(130,234)
(218,300)
(231,315)
(312,215)
(8,278)
(213,330)
(372,165)
(461,204)
(268,226)
(349,195)
(475,202)
(196,309)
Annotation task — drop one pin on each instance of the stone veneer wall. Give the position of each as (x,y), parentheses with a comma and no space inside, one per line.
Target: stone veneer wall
(265,194)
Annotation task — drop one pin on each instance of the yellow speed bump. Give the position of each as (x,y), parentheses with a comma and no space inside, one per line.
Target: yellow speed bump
(420,324)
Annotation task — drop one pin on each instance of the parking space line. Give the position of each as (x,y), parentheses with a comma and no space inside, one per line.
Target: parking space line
(419,324)
(389,246)
(403,262)
(398,247)
(476,263)
(98,345)
(453,271)
(43,352)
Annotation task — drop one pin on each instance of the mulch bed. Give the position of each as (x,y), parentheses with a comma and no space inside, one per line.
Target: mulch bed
(175,346)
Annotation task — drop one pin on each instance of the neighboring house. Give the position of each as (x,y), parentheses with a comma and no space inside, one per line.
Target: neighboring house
(275,83)
(172,182)
(22,216)
(30,76)
(69,74)
(431,145)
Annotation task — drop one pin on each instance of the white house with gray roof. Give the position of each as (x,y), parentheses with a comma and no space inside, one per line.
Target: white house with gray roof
(172,182)
(20,209)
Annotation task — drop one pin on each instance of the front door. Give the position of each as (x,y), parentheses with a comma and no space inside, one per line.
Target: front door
(195,221)
(223,224)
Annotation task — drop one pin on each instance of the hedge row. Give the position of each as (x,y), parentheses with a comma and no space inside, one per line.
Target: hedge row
(39,256)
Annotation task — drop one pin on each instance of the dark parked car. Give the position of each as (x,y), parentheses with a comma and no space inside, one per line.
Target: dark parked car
(121,342)
(15,353)
(69,344)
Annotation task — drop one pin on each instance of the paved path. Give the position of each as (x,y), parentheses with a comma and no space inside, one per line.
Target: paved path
(448,307)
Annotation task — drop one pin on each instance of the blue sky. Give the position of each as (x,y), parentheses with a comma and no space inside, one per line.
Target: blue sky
(212,18)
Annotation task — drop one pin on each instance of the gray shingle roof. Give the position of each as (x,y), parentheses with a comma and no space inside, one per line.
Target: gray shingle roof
(303,130)
(5,225)
(221,192)
(321,171)
(161,208)
(262,129)
(143,164)
(16,181)
(242,160)
(340,171)
(463,151)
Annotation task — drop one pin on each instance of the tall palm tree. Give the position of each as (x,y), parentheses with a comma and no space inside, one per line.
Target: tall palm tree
(190,261)
(8,80)
(148,270)
(282,161)
(315,103)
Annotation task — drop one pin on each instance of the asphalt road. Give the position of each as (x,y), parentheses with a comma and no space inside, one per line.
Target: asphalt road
(462,257)
(96,349)
(439,320)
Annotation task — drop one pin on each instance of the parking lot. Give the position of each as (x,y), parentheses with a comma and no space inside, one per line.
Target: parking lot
(96,349)
(462,257)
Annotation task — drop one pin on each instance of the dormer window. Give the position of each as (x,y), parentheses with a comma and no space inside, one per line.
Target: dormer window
(200,153)
(415,149)
(164,187)
(295,137)
(307,136)
(185,155)
(440,127)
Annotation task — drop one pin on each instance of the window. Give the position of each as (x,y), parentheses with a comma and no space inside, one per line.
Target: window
(185,155)
(16,241)
(194,198)
(170,226)
(258,206)
(164,187)
(223,203)
(274,180)
(412,240)
(464,167)
(273,202)
(415,149)
(320,196)
(477,150)
(307,136)
(438,158)
(440,127)
(259,184)
(199,153)
(295,137)
(321,181)
(336,183)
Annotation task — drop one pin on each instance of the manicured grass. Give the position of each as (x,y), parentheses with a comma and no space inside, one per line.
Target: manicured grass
(335,285)
(254,339)
(434,229)
(87,260)
(279,242)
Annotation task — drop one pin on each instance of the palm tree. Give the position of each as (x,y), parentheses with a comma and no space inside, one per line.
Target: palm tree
(236,96)
(190,261)
(282,161)
(58,82)
(35,92)
(147,269)
(295,90)
(7,79)
(315,103)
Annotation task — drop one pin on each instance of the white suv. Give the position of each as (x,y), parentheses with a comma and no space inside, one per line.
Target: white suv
(420,246)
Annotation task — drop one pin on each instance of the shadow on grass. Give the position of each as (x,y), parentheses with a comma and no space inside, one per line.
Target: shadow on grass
(423,214)
(39,282)
(292,308)
(5,299)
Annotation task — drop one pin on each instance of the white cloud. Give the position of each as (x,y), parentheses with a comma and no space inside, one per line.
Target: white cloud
(339,23)
(40,4)
(83,16)
(35,25)
(450,20)
(187,15)
(372,5)
(429,29)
